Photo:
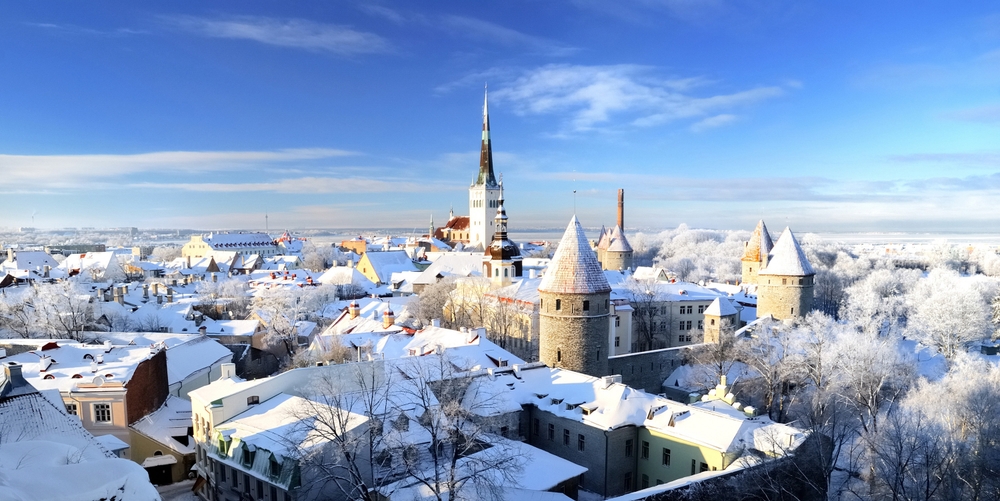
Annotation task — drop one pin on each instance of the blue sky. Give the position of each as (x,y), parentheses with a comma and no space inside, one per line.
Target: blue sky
(826,116)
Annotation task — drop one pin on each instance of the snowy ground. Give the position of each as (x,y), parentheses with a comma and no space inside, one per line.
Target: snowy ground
(180,491)
(585,496)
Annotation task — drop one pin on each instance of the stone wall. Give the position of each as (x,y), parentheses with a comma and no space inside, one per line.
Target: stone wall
(617,260)
(571,337)
(783,297)
(647,369)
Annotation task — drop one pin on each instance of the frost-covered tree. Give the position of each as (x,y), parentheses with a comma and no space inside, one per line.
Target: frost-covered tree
(63,309)
(646,297)
(17,313)
(949,311)
(225,298)
(877,302)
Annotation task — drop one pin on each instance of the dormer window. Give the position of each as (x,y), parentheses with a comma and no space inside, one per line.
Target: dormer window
(274,467)
(253,400)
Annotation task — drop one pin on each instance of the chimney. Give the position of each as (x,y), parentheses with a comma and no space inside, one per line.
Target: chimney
(99,358)
(388,318)
(188,262)
(10,257)
(45,271)
(435,322)
(227,371)
(621,209)
(145,291)
(13,372)
(118,295)
(107,346)
(532,273)
(93,367)
(202,330)
(170,294)
(159,299)
(354,310)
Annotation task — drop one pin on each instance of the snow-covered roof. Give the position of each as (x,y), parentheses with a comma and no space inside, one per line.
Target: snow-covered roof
(787,258)
(171,420)
(60,365)
(574,268)
(224,241)
(721,307)
(618,241)
(196,355)
(759,245)
(452,264)
(384,263)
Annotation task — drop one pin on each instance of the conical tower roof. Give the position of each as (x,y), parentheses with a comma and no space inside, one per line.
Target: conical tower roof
(760,244)
(605,239)
(574,268)
(787,258)
(618,241)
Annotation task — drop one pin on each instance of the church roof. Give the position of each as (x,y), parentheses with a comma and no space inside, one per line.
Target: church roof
(759,244)
(787,258)
(458,223)
(486,154)
(574,268)
(618,241)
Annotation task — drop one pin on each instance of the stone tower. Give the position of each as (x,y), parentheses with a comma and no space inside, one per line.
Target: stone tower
(785,285)
(502,259)
(574,307)
(484,192)
(616,254)
(720,317)
(756,253)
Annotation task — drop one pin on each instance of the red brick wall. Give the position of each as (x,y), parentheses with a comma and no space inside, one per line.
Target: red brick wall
(148,388)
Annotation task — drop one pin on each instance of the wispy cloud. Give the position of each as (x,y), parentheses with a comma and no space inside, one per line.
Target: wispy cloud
(713,122)
(308,185)
(294,33)
(593,95)
(989,113)
(979,159)
(67,170)
(473,29)
(72,29)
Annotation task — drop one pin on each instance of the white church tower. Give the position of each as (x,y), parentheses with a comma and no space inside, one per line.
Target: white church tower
(484,194)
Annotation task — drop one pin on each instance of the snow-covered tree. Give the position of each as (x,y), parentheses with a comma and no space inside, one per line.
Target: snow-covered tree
(950,311)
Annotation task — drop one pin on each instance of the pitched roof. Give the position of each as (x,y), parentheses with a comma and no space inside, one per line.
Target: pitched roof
(574,268)
(720,308)
(759,245)
(787,258)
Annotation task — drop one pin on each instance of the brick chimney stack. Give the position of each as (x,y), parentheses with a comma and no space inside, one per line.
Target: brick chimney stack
(621,209)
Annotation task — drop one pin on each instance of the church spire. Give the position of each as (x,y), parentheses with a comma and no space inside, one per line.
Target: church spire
(486,153)
(501,217)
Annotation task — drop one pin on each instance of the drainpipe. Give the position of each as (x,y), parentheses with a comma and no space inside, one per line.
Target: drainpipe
(605,464)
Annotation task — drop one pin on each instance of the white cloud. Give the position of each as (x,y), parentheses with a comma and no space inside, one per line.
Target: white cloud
(296,33)
(68,170)
(594,95)
(491,32)
(308,185)
(713,122)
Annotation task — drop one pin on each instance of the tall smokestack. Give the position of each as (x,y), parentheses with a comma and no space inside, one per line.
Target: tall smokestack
(621,209)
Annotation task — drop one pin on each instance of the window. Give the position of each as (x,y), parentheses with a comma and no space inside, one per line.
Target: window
(645,481)
(617,342)
(253,399)
(700,325)
(663,310)
(627,482)
(711,322)
(704,467)
(687,338)
(692,466)
(800,281)
(534,427)
(618,321)
(663,326)
(580,442)
(260,489)
(586,305)
(688,325)
(628,448)
(102,413)
(558,355)
(248,456)
(645,449)
(680,326)
(274,468)
(666,457)
(680,338)
(565,437)
(552,431)
(558,304)
(71,409)
(784,281)
(274,493)
(701,308)
(504,430)
(246,484)
(232,476)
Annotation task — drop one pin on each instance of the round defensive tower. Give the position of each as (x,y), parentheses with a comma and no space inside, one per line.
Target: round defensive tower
(785,285)
(575,306)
